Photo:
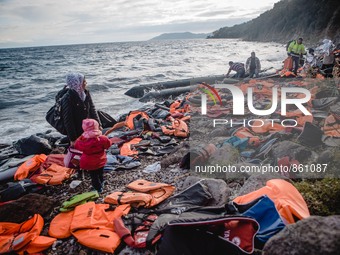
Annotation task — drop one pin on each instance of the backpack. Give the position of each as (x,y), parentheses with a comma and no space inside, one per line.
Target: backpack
(54,116)
(287,46)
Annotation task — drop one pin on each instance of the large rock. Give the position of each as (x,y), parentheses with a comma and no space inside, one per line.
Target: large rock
(291,149)
(23,208)
(325,157)
(216,187)
(33,145)
(315,235)
(176,156)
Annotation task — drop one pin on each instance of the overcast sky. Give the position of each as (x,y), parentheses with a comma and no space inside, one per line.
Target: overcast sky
(44,22)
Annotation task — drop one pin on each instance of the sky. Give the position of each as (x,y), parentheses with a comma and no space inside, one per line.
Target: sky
(60,22)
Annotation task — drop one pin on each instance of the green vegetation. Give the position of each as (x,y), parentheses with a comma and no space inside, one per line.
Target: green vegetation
(321,196)
(289,19)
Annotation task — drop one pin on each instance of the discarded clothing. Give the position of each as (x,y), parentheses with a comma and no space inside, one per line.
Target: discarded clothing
(264,212)
(15,190)
(79,199)
(120,162)
(141,224)
(153,168)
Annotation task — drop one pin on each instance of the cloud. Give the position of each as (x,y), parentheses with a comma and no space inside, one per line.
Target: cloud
(39,22)
(216,13)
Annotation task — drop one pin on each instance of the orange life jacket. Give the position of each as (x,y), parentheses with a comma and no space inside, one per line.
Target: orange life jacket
(331,127)
(115,126)
(129,121)
(135,199)
(60,225)
(126,149)
(287,199)
(29,166)
(24,238)
(53,175)
(268,126)
(91,224)
(175,107)
(178,128)
(288,63)
(300,118)
(245,133)
(286,73)
(147,194)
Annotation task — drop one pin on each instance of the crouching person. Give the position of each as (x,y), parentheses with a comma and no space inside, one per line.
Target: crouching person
(93,145)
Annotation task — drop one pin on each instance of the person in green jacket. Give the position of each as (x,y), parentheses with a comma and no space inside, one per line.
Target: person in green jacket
(296,49)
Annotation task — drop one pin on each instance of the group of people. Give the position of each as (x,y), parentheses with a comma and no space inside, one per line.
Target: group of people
(251,69)
(327,60)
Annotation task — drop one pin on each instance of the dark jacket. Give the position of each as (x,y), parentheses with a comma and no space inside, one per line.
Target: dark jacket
(257,64)
(74,111)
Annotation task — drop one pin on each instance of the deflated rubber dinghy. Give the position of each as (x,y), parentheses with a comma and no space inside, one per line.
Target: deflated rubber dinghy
(140,91)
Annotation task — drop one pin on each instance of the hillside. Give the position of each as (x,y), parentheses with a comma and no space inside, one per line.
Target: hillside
(184,35)
(311,19)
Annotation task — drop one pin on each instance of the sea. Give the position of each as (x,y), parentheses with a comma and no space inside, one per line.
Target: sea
(30,77)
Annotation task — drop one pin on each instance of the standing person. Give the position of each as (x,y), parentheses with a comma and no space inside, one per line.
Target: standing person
(328,63)
(76,105)
(310,63)
(93,145)
(238,68)
(296,49)
(253,65)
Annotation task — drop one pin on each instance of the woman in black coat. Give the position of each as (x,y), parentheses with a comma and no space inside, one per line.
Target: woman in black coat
(76,105)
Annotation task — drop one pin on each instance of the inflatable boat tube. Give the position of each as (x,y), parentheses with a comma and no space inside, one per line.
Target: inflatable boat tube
(141,90)
(165,93)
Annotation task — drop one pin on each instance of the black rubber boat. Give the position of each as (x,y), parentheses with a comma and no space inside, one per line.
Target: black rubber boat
(141,90)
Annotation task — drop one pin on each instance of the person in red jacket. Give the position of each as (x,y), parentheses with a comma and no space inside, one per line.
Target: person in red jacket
(93,145)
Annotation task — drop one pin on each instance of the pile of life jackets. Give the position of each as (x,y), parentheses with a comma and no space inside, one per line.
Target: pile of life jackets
(170,121)
(140,120)
(250,219)
(24,238)
(51,169)
(91,224)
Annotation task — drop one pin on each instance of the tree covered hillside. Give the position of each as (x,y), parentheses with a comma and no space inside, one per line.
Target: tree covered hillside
(311,19)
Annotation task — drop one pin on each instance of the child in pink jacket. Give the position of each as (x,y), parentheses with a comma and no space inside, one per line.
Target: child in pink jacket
(93,145)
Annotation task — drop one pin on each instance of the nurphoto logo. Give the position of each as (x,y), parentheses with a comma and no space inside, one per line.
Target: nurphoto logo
(238,104)
(238,99)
